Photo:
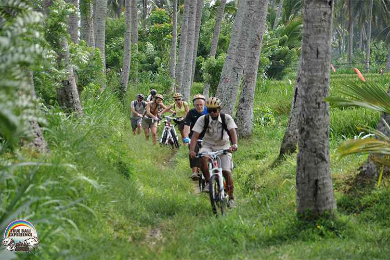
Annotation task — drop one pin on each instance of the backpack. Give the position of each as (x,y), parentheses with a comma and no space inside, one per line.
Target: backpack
(224,126)
(136,103)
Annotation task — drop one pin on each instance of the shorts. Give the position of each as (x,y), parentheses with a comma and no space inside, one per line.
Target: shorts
(135,122)
(148,123)
(195,162)
(180,126)
(226,159)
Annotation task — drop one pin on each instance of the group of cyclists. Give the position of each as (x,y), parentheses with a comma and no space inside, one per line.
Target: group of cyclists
(205,121)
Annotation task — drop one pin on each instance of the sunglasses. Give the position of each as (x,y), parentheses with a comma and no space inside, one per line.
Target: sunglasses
(178,99)
(212,110)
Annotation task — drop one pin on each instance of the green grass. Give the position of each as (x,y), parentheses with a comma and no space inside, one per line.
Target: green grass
(125,198)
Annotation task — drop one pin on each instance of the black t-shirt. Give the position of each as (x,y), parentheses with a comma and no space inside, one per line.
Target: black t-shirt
(192,117)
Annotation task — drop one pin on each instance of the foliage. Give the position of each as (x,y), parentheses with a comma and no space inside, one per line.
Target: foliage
(212,69)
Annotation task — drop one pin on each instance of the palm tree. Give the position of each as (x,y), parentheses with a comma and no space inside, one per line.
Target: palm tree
(86,23)
(372,96)
(127,50)
(100,30)
(313,179)
(186,81)
(368,49)
(134,35)
(182,46)
(172,61)
(278,14)
(235,60)
(245,105)
(73,22)
(214,43)
(198,20)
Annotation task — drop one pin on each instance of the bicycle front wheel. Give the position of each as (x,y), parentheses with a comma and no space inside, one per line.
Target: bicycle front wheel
(175,141)
(218,204)
(164,137)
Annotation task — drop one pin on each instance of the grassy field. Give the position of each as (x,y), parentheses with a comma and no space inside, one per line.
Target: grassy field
(106,194)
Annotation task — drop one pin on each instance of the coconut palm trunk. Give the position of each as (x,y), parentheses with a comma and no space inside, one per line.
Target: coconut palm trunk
(313,179)
(368,48)
(73,22)
(290,138)
(214,43)
(235,60)
(278,14)
(350,32)
(145,10)
(245,105)
(187,70)
(172,61)
(127,51)
(182,46)
(86,23)
(100,31)
(134,37)
(38,140)
(388,62)
(198,21)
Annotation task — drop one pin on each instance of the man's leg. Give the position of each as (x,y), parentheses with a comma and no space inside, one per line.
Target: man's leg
(146,130)
(229,183)
(205,168)
(138,129)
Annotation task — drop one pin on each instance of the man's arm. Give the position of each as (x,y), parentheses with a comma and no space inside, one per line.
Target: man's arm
(133,110)
(233,135)
(194,139)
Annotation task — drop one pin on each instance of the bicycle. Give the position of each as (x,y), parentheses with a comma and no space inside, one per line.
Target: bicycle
(169,135)
(217,183)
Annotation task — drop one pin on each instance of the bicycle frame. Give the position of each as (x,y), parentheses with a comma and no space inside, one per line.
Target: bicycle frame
(168,129)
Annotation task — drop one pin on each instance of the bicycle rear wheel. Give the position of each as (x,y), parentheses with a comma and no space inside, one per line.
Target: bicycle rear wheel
(175,141)
(163,139)
(218,204)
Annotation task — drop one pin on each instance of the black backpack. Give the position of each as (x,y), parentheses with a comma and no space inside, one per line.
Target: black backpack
(224,126)
(142,102)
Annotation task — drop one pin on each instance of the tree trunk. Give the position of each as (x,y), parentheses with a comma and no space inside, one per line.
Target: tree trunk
(313,179)
(186,82)
(100,30)
(245,105)
(172,61)
(278,14)
(217,28)
(127,51)
(145,9)
(368,48)
(361,39)
(86,32)
(214,43)
(68,95)
(182,46)
(134,37)
(388,62)
(38,141)
(73,22)
(290,138)
(235,60)
(198,20)
(350,32)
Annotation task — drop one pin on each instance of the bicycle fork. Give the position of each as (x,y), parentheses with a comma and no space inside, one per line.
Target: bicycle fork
(216,169)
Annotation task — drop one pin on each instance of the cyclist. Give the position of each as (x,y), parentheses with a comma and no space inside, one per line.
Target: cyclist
(150,119)
(138,107)
(153,92)
(180,108)
(189,122)
(217,128)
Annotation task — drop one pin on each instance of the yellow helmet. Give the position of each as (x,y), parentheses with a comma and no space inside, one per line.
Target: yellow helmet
(198,96)
(159,96)
(177,95)
(213,102)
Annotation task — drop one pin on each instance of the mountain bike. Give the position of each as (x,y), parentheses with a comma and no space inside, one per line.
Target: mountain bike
(217,184)
(169,135)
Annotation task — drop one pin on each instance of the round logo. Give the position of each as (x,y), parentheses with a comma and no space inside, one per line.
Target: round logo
(20,235)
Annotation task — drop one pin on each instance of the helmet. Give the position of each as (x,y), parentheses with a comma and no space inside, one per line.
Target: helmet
(213,102)
(159,96)
(198,96)
(177,95)
(153,92)
(141,96)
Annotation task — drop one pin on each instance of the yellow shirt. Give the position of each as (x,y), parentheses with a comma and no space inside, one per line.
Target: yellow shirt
(180,112)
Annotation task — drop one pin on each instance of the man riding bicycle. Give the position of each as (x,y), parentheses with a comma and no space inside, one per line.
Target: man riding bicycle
(217,128)
(189,122)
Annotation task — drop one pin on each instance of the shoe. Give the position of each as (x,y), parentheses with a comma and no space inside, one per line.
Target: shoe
(206,188)
(194,176)
(231,204)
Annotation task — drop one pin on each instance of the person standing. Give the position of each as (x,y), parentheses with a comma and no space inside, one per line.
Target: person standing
(150,119)
(180,108)
(138,108)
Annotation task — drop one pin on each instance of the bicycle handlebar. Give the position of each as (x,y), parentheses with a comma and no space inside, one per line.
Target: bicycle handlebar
(213,154)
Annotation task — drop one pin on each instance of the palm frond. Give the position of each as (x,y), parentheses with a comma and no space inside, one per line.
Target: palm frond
(368,145)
